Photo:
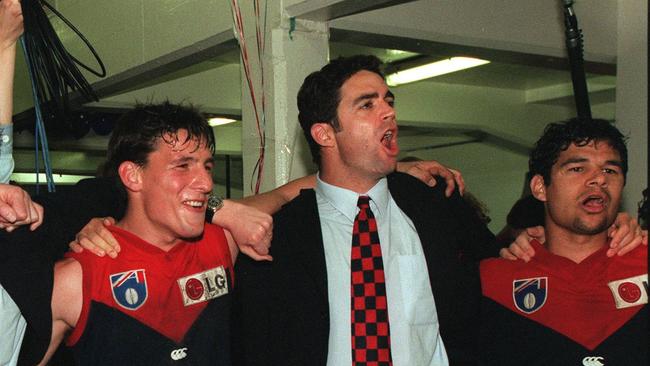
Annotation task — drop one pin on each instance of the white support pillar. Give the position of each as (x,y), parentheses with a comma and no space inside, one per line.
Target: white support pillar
(292,52)
(632,95)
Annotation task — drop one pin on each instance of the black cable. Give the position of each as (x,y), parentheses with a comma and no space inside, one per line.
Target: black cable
(574,48)
(101,73)
(55,71)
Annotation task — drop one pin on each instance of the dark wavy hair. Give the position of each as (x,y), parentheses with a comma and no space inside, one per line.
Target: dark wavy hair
(558,136)
(137,131)
(320,94)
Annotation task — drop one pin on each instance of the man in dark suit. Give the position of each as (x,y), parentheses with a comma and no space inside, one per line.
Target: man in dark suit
(302,308)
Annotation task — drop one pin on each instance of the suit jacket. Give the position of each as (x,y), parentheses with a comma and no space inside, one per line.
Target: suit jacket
(27,258)
(281,314)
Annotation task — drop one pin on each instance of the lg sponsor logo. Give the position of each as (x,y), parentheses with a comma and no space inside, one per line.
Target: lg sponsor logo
(593,361)
(203,286)
(628,292)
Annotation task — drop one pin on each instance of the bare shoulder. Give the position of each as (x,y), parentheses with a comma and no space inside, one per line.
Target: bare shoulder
(66,302)
(67,271)
(67,291)
(67,264)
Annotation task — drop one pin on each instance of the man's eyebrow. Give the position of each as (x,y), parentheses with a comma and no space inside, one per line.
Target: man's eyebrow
(365,97)
(183,159)
(573,161)
(617,163)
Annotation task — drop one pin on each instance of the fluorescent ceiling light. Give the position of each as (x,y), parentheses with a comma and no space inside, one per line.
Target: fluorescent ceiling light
(30,178)
(218,121)
(433,69)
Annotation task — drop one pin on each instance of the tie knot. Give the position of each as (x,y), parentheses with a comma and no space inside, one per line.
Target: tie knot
(364,202)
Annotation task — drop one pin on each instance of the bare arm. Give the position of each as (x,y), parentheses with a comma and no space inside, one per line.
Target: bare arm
(11,27)
(426,171)
(248,230)
(248,220)
(66,302)
(270,202)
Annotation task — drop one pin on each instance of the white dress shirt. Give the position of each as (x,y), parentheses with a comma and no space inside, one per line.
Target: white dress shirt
(6,152)
(12,329)
(12,324)
(414,328)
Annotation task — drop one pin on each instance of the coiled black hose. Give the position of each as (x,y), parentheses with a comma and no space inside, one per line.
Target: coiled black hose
(53,69)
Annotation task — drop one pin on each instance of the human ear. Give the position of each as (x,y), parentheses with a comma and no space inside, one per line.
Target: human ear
(538,187)
(131,175)
(323,134)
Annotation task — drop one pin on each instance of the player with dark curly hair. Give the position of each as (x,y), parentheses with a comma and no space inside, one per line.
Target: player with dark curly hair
(581,306)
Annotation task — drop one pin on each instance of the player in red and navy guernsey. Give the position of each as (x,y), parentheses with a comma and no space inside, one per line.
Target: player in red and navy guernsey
(155,306)
(166,298)
(571,304)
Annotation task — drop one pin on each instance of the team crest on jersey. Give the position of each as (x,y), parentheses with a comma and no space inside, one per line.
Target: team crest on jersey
(630,291)
(529,294)
(129,288)
(203,286)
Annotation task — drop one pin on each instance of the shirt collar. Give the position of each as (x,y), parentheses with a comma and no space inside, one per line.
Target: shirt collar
(345,200)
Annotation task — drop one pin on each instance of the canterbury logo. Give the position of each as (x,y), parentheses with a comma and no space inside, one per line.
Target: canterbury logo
(179,354)
(593,361)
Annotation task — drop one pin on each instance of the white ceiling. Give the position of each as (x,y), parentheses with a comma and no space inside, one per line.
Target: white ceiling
(489,111)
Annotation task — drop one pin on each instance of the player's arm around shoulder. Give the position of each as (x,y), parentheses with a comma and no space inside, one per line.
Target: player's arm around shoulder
(66,302)
(247,229)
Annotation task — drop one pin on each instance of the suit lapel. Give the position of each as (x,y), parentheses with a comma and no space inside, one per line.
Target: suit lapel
(425,217)
(310,249)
